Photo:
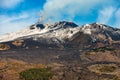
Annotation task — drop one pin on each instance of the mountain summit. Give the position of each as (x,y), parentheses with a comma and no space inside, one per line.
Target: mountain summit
(70,51)
(65,34)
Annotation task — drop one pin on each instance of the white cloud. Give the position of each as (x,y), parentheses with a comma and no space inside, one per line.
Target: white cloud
(6,18)
(66,10)
(55,10)
(16,22)
(9,3)
(109,15)
(106,14)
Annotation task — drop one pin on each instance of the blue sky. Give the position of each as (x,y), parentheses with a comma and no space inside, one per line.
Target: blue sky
(18,14)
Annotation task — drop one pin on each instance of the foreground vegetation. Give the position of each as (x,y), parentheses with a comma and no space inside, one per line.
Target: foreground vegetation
(103,49)
(4,47)
(107,68)
(36,74)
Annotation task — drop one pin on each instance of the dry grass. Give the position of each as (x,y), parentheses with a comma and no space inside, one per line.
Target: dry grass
(18,42)
(4,47)
(11,68)
(111,69)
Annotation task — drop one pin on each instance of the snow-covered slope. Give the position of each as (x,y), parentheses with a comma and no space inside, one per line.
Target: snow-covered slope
(101,31)
(59,30)
(64,30)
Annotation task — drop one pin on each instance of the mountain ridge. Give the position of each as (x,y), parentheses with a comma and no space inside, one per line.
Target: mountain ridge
(63,26)
(64,35)
(89,52)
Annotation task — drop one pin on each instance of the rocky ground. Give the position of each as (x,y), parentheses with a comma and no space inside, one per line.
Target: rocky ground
(89,52)
(65,64)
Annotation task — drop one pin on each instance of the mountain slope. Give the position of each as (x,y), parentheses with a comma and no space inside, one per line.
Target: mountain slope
(72,52)
(64,34)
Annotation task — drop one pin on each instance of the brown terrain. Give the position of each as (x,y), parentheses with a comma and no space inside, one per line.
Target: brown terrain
(77,59)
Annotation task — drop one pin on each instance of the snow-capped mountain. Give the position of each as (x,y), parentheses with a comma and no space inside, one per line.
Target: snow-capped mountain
(71,51)
(59,30)
(102,32)
(65,34)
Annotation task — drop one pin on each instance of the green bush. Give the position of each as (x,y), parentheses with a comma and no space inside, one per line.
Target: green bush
(103,49)
(107,69)
(36,74)
(116,78)
(4,47)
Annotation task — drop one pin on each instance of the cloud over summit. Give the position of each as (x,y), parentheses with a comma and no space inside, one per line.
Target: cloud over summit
(64,10)
(17,14)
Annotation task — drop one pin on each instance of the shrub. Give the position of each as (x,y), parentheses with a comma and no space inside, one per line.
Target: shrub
(36,74)
(4,47)
(107,69)
(103,49)
(18,42)
(116,78)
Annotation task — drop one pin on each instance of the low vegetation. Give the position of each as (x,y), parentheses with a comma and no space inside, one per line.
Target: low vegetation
(18,42)
(4,47)
(104,68)
(10,68)
(111,71)
(116,78)
(102,49)
(36,74)
(107,68)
